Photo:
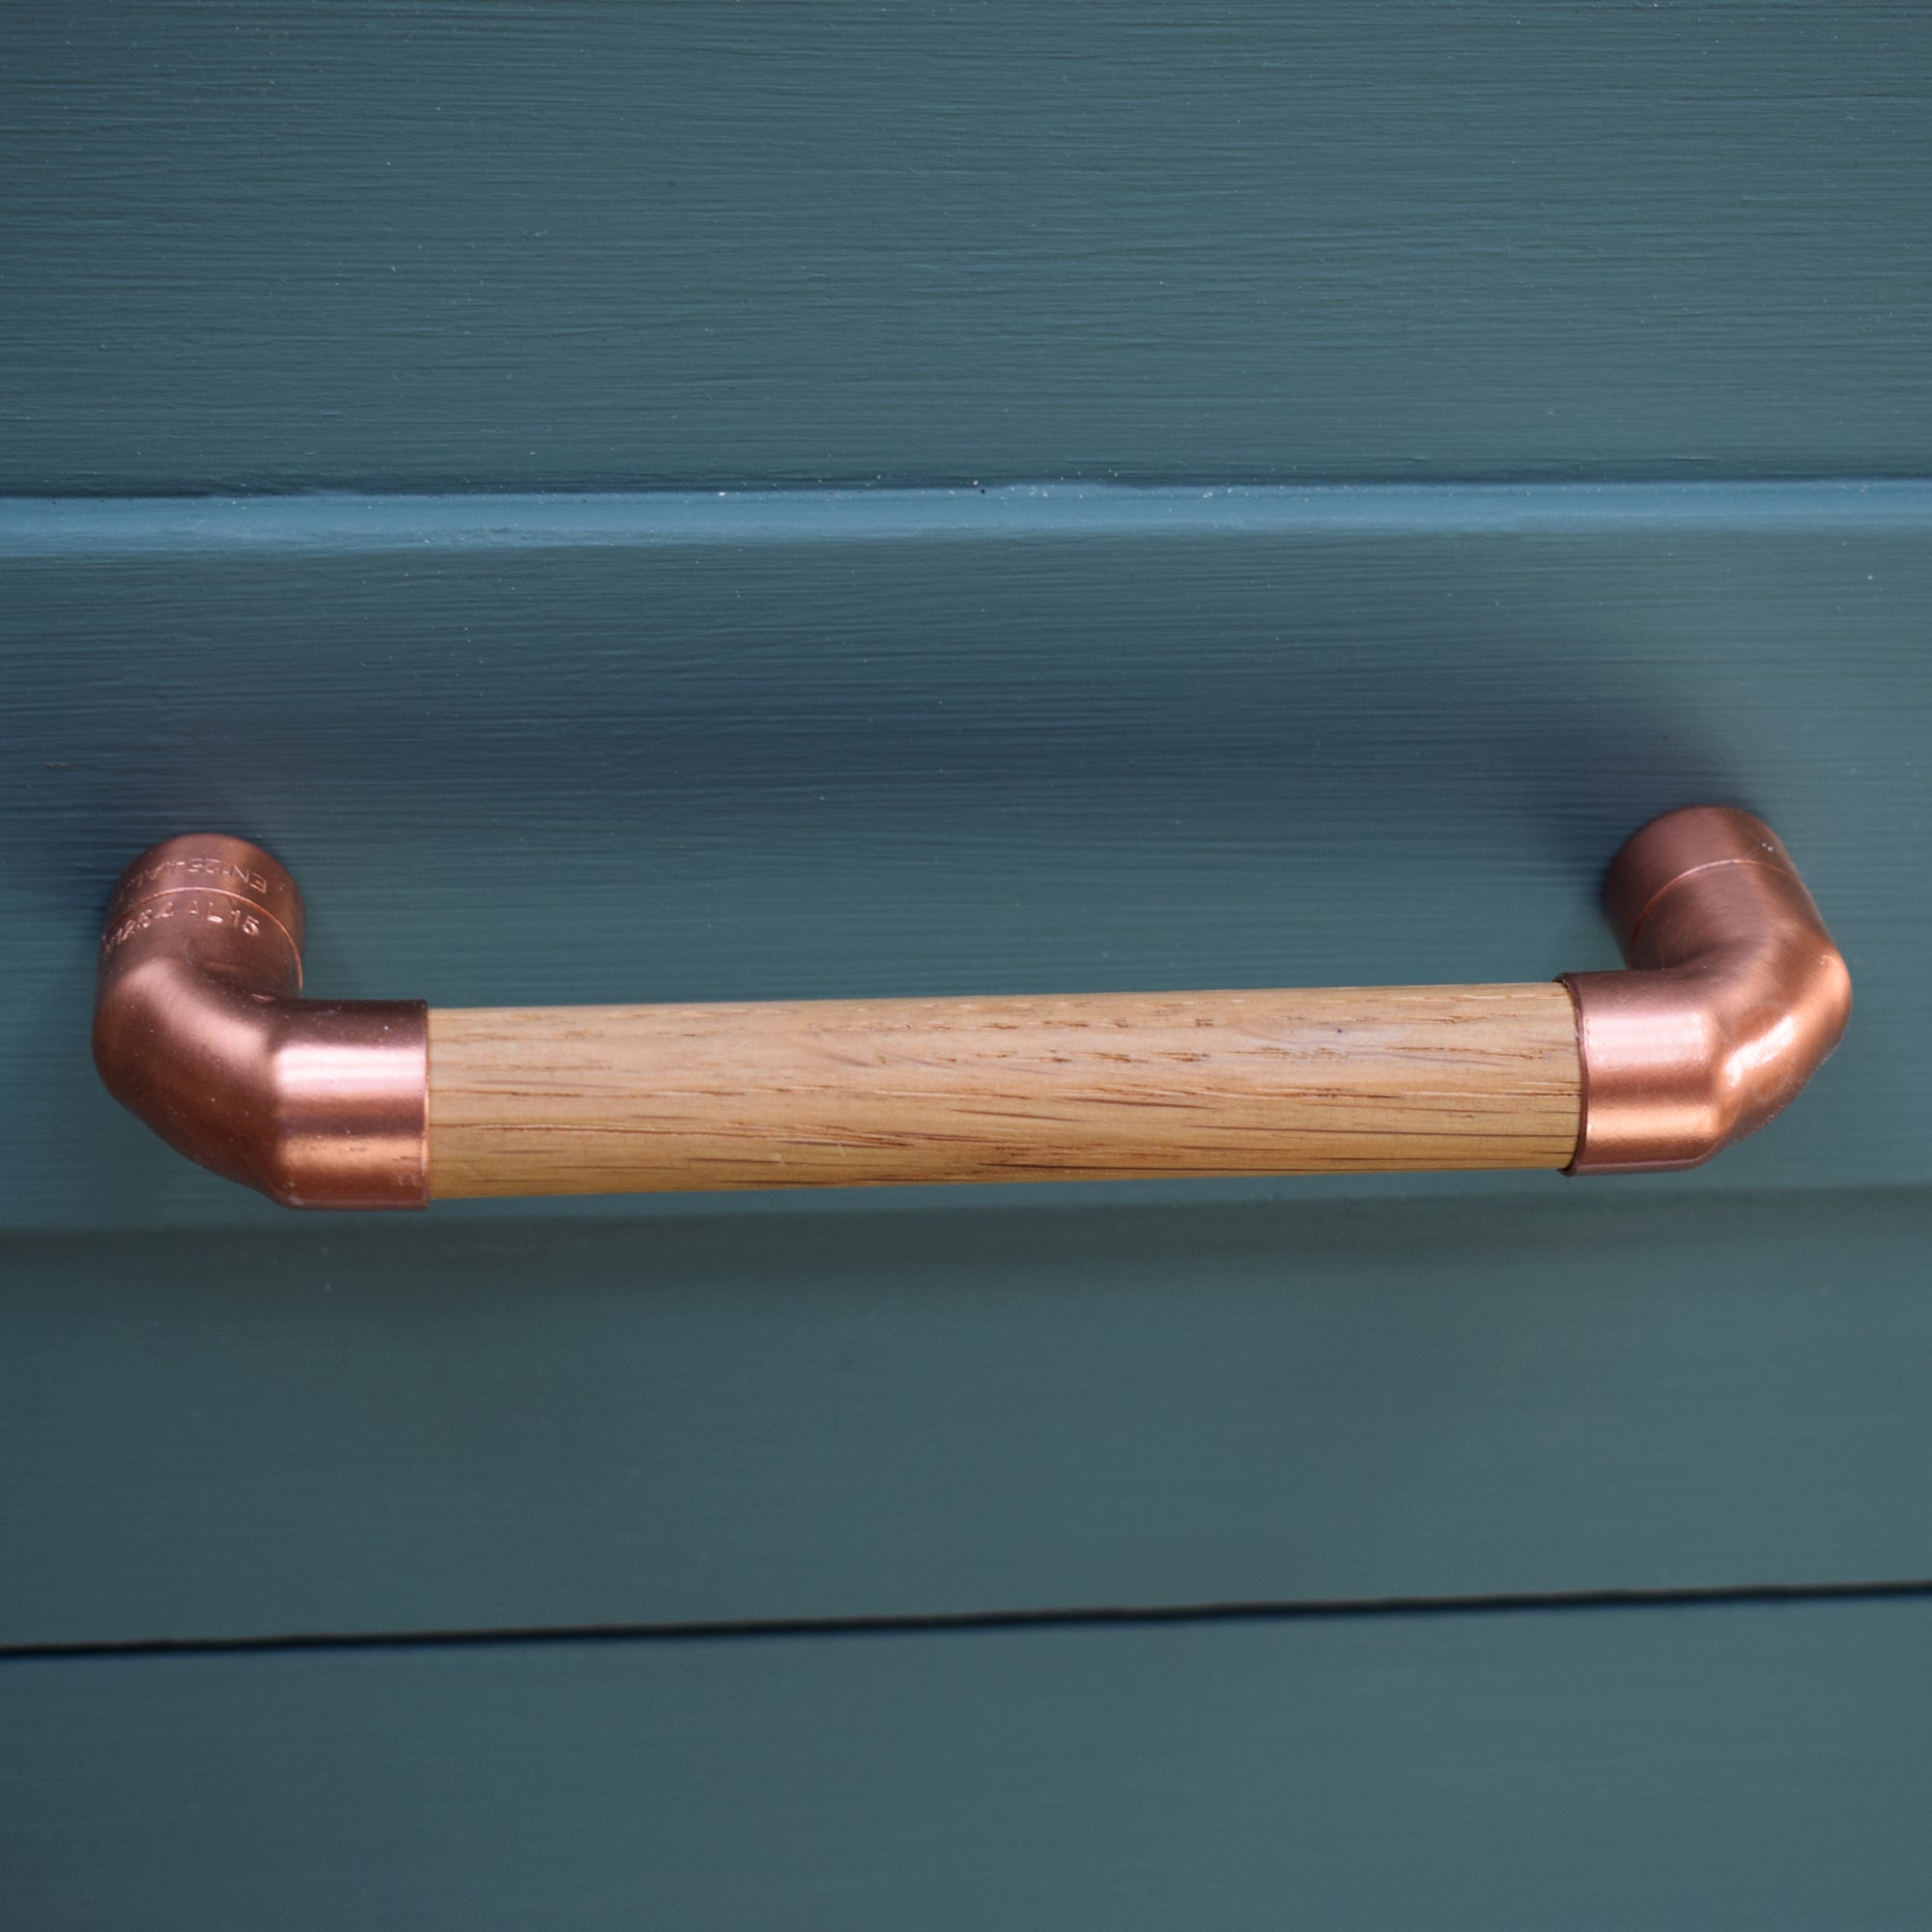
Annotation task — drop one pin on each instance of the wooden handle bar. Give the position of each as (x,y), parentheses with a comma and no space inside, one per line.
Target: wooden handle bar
(818,1093)
(199,1028)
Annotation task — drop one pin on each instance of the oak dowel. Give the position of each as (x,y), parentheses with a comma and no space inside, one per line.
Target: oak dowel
(836,1093)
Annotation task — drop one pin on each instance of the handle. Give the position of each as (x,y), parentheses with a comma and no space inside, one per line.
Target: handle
(1735,995)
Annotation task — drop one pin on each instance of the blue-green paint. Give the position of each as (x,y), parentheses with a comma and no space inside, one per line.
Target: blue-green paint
(283,243)
(434,1425)
(1738,1768)
(584,696)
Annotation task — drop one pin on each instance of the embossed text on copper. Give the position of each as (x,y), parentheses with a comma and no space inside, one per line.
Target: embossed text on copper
(200,1029)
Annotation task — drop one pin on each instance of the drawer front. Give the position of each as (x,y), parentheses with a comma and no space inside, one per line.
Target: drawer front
(291,245)
(914,743)
(1742,1766)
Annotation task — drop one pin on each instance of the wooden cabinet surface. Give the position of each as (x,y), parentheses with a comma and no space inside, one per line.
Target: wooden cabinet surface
(670,502)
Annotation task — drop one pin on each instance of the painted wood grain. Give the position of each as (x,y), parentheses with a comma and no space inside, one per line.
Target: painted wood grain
(836,1093)
(774,1410)
(882,746)
(277,243)
(889,743)
(1745,1767)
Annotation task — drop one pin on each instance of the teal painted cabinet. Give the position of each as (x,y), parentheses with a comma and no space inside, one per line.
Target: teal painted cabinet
(682,503)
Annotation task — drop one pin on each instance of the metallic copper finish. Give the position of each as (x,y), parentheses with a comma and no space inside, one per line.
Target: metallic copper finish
(1735,996)
(199,1029)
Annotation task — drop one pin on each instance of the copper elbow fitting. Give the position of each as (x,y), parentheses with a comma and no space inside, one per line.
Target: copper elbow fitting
(1735,996)
(200,1029)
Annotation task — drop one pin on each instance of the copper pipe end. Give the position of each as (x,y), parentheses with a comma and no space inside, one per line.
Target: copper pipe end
(1735,996)
(200,1029)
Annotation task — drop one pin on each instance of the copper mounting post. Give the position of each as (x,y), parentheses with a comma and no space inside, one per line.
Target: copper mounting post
(1735,996)
(199,1029)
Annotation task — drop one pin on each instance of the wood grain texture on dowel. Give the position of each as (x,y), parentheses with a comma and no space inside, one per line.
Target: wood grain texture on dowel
(832,1093)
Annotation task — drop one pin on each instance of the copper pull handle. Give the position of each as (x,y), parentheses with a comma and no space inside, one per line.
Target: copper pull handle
(1734,995)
